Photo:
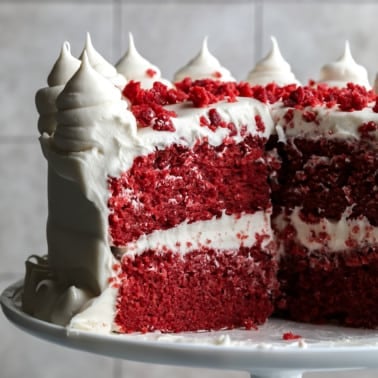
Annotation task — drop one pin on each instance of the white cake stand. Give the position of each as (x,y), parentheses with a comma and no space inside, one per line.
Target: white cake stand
(262,353)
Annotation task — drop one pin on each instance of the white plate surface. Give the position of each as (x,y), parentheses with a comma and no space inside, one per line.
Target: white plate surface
(261,351)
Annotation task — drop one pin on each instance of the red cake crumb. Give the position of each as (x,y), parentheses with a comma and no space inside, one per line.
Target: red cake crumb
(290,336)
(151,73)
(309,116)
(260,126)
(203,290)
(200,97)
(367,128)
(289,115)
(217,74)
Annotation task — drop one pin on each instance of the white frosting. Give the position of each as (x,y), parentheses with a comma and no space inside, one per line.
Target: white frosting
(273,68)
(94,125)
(344,70)
(340,235)
(135,67)
(63,69)
(188,129)
(86,104)
(204,66)
(330,123)
(101,65)
(98,314)
(221,233)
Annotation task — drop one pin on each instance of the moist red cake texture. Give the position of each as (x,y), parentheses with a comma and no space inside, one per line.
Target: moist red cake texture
(324,177)
(207,290)
(204,289)
(180,184)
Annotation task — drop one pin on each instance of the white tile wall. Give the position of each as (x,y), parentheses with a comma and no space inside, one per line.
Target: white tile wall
(169,33)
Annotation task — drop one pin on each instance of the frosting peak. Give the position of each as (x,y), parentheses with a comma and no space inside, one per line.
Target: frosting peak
(86,88)
(64,67)
(86,107)
(204,66)
(272,68)
(135,67)
(344,70)
(101,65)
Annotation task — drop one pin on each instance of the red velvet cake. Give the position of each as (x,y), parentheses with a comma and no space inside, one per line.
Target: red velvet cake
(209,203)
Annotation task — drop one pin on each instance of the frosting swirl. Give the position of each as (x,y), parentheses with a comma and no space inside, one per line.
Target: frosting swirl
(101,65)
(272,68)
(63,69)
(344,70)
(87,104)
(204,66)
(135,67)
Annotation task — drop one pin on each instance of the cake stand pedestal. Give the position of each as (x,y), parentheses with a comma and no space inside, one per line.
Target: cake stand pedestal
(263,353)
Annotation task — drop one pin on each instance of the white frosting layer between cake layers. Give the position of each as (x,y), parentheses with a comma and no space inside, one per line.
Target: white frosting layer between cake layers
(333,236)
(228,232)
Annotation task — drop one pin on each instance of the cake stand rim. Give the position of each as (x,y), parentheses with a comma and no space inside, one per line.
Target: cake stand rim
(244,358)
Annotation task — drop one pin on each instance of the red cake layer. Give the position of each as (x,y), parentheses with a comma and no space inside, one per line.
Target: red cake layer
(179,184)
(325,176)
(202,290)
(322,287)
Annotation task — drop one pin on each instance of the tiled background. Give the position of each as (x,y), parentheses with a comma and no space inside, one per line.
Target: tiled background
(170,32)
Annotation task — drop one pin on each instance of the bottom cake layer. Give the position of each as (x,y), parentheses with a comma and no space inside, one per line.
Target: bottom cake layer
(202,290)
(323,287)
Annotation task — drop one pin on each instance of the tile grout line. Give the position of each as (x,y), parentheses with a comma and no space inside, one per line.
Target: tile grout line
(258,28)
